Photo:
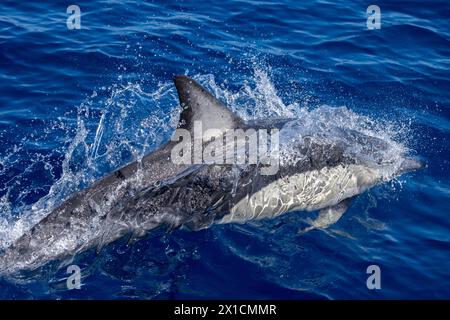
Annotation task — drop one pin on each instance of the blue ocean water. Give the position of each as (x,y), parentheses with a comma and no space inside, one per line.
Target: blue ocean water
(77,104)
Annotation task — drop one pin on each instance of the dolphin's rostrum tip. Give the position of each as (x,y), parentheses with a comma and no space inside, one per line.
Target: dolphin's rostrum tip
(412,164)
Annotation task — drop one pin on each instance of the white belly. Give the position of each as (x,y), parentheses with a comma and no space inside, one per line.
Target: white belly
(306,191)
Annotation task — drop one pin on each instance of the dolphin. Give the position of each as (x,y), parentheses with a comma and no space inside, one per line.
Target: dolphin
(156,191)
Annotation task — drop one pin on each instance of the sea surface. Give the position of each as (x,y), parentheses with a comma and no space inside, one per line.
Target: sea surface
(76,104)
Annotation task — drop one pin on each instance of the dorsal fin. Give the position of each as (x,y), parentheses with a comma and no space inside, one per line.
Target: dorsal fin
(200,105)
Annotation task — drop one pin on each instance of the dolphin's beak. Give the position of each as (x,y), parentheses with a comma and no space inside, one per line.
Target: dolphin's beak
(411,164)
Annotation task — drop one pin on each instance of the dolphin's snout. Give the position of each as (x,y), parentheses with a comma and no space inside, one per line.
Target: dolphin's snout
(411,164)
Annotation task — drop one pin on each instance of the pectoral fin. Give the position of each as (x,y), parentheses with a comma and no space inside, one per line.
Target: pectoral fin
(328,216)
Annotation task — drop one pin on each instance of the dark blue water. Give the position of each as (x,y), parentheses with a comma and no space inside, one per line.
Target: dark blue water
(76,104)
